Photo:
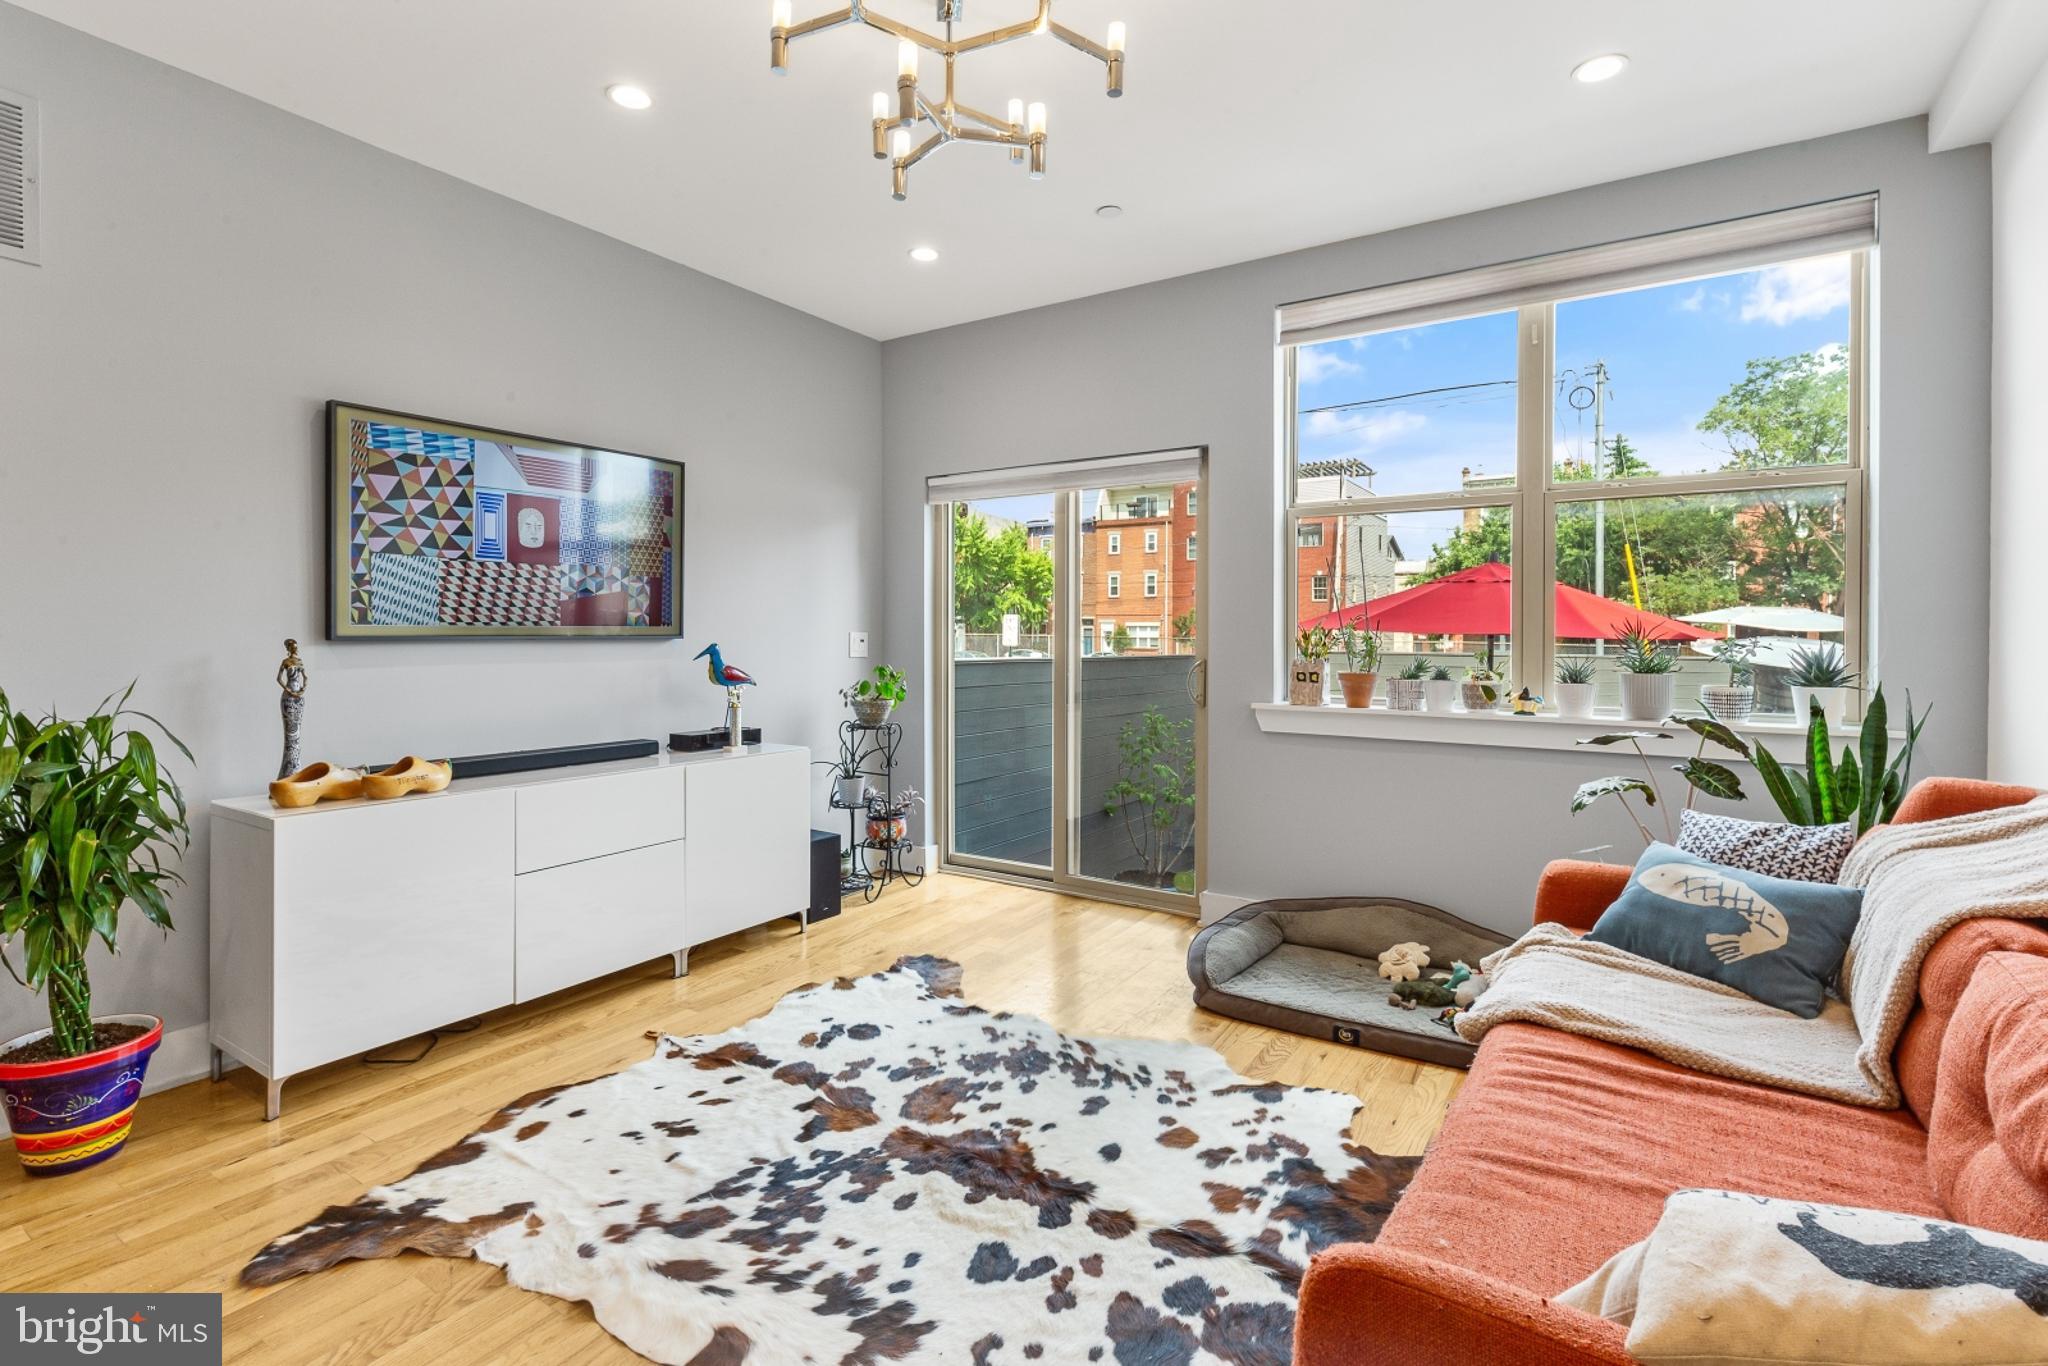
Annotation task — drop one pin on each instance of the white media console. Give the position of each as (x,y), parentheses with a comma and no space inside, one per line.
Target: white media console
(343,927)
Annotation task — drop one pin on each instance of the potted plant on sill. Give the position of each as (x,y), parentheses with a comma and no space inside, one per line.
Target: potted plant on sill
(1440,689)
(872,699)
(1482,689)
(1734,700)
(86,813)
(1362,653)
(1405,689)
(1311,651)
(889,816)
(1575,685)
(1649,676)
(1819,673)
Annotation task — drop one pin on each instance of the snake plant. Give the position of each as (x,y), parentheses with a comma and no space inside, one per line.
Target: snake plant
(1864,786)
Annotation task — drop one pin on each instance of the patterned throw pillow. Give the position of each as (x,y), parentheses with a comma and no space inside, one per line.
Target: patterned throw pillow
(1741,1278)
(1804,853)
(1772,938)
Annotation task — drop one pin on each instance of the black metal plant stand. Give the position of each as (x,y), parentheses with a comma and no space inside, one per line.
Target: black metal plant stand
(876,863)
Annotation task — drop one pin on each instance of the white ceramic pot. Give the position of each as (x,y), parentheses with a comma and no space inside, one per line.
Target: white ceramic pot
(1405,694)
(1728,702)
(1574,699)
(1305,683)
(1440,694)
(850,790)
(1834,703)
(1648,697)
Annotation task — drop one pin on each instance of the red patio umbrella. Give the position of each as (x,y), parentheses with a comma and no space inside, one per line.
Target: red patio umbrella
(1478,602)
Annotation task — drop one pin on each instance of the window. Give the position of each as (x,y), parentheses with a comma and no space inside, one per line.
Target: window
(1191,502)
(1114,584)
(1151,542)
(1191,547)
(1676,444)
(1151,583)
(1144,636)
(1116,543)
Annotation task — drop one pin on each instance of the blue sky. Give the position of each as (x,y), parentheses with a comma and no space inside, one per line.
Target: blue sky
(1670,351)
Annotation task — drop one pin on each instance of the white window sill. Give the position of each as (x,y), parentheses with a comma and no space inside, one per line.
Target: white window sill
(1502,730)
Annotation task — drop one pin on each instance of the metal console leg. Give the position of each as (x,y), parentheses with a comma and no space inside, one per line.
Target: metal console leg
(215,1063)
(682,957)
(273,1098)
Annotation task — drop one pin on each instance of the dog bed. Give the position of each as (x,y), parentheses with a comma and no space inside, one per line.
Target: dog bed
(1311,966)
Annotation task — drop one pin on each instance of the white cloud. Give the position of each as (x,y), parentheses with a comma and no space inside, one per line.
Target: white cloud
(1693,302)
(1804,289)
(1365,430)
(1314,364)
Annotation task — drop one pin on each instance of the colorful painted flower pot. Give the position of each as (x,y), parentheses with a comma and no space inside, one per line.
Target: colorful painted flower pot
(888,829)
(73,1112)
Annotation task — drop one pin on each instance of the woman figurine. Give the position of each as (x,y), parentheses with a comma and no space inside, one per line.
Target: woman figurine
(291,677)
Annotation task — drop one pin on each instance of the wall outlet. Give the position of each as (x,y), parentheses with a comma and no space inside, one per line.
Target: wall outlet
(857,645)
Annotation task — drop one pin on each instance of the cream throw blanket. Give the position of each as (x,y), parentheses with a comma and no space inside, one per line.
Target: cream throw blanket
(1919,881)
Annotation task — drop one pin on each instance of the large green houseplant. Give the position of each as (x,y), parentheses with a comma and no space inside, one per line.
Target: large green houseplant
(87,814)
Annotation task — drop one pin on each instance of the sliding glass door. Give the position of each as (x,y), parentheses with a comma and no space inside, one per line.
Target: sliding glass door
(1070,721)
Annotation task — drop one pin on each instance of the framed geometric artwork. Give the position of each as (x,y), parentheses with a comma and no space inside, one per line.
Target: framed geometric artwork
(439,530)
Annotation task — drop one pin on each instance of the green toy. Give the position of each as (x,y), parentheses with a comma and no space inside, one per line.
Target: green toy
(1440,992)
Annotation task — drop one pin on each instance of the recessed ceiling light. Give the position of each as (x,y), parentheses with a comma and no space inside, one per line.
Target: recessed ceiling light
(1604,67)
(1110,211)
(629,97)
(924,255)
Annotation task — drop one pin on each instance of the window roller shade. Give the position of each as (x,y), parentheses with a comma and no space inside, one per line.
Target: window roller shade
(1121,471)
(1737,244)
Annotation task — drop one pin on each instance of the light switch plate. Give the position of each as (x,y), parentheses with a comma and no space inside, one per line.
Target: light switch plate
(857,645)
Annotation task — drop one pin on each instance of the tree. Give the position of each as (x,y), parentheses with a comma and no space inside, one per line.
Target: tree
(1120,640)
(996,574)
(1155,790)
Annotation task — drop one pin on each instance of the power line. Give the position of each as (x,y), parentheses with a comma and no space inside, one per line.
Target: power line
(1419,393)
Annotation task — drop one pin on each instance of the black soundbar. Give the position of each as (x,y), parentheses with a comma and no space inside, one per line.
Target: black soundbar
(701,741)
(527,760)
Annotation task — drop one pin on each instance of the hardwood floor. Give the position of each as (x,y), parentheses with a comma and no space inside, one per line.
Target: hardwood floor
(205,1183)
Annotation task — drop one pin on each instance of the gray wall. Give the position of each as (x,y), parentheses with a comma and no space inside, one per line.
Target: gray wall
(213,270)
(1190,361)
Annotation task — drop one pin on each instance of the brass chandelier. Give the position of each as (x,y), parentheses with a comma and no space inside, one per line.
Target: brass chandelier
(1022,131)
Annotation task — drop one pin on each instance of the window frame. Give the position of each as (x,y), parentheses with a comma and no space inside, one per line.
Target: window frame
(1112,584)
(1192,547)
(1536,497)
(1151,540)
(1116,543)
(1151,583)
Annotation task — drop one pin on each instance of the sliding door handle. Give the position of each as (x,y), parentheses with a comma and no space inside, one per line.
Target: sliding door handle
(1198,683)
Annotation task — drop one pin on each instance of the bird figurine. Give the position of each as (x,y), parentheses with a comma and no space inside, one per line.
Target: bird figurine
(732,680)
(722,673)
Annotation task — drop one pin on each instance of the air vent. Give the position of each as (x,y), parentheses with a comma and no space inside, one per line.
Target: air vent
(18,176)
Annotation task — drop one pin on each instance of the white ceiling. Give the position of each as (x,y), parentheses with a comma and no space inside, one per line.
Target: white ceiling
(1250,128)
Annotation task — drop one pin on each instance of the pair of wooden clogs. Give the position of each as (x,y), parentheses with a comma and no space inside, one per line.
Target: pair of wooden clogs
(324,782)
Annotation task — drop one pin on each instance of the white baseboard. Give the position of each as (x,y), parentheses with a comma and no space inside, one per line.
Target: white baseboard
(1216,905)
(182,1056)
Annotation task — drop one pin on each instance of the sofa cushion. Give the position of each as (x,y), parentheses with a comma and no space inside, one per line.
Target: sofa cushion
(1775,939)
(1810,853)
(1944,975)
(1560,1151)
(1987,1144)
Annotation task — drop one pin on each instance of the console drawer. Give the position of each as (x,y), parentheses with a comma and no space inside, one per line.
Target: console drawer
(585,818)
(583,920)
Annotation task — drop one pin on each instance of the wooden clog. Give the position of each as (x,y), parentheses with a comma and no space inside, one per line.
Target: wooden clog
(321,782)
(408,775)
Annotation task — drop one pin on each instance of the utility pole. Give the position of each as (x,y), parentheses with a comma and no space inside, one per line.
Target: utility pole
(1599,473)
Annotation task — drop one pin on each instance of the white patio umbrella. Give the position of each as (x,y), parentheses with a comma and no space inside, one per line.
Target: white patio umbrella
(1769,618)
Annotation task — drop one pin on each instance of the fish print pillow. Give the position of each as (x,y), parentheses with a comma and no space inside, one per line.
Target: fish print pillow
(1777,940)
(1726,1279)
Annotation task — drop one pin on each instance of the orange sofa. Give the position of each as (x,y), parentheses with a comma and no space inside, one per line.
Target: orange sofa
(1559,1151)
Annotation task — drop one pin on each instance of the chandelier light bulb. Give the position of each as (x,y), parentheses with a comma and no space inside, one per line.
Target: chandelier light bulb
(881,105)
(779,16)
(899,144)
(1037,118)
(1117,35)
(906,60)
(1017,115)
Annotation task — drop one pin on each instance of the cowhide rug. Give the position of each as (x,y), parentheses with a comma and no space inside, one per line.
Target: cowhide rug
(876,1171)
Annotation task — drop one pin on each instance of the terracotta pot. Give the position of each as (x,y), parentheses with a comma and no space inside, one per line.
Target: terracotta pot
(1648,697)
(1358,688)
(1575,699)
(71,1113)
(1305,683)
(1405,694)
